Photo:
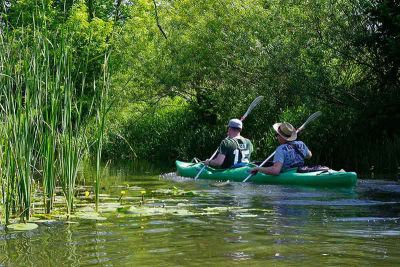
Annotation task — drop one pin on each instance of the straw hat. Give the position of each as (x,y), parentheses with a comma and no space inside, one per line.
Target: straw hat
(286,131)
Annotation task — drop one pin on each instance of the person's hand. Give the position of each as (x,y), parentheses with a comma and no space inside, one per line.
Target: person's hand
(254,171)
(206,162)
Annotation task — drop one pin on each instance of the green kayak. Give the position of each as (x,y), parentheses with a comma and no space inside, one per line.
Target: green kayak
(291,177)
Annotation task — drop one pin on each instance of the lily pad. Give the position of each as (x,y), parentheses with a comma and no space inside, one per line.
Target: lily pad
(246,215)
(174,192)
(63,216)
(182,212)
(85,208)
(135,188)
(109,206)
(90,216)
(34,219)
(45,221)
(221,209)
(146,211)
(175,200)
(71,222)
(22,226)
(152,211)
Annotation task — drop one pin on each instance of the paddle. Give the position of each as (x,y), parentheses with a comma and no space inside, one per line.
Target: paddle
(301,128)
(253,104)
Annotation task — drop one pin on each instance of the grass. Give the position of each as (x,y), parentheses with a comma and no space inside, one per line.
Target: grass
(43,119)
(101,112)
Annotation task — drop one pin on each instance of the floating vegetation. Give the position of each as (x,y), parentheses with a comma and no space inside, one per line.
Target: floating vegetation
(71,222)
(246,215)
(162,202)
(89,216)
(22,226)
(238,211)
(109,207)
(42,221)
(151,211)
(174,192)
(224,209)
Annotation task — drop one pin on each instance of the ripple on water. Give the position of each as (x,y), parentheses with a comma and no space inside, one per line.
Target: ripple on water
(240,256)
(340,202)
(158,230)
(378,185)
(157,222)
(257,225)
(370,233)
(159,250)
(367,219)
(194,220)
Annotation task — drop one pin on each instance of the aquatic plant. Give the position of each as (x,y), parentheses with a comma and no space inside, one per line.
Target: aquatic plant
(44,117)
(19,119)
(103,108)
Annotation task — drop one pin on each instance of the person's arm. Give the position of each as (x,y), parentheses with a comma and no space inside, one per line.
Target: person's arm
(216,162)
(273,170)
(251,149)
(308,155)
(219,159)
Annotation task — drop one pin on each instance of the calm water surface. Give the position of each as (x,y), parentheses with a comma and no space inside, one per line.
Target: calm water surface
(232,225)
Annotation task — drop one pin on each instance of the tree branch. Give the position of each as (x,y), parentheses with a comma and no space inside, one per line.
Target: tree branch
(158,23)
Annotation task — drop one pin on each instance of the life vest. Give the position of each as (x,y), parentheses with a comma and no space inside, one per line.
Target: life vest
(242,151)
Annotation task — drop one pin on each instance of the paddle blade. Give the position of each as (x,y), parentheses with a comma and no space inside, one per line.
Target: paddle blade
(310,119)
(252,106)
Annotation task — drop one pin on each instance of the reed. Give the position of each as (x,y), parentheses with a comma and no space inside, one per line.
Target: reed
(43,119)
(103,108)
(71,145)
(19,122)
(50,110)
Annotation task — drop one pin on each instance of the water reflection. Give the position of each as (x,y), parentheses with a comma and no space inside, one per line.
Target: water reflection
(237,223)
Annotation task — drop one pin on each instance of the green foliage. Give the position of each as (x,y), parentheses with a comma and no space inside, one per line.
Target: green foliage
(333,56)
(181,69)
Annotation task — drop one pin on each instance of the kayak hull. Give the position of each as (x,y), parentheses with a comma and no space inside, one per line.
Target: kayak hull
(290,177)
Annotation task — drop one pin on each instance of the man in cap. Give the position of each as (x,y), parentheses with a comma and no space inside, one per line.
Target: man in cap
(289,154)
(234,150)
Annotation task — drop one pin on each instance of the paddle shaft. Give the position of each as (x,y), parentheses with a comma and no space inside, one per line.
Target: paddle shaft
(310,119)
(253,104)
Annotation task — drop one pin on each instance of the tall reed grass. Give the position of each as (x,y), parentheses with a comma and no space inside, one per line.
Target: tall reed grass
(103,108)
(43,133)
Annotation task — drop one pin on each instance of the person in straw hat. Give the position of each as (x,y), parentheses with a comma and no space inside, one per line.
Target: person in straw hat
(289,154)
(234,150)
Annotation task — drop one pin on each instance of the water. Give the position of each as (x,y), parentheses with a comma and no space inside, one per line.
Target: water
(232,225)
